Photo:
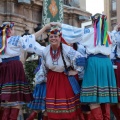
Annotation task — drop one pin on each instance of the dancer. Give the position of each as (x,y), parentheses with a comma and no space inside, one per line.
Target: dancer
(61,101)
(15,90)
(39,94)
(99,84)
(115,56)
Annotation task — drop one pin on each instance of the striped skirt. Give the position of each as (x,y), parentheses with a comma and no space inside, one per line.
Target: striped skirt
(61,102)
(39,95)
(13,84)
(99,83)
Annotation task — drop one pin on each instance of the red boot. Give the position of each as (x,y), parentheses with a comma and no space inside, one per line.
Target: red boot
(87,116)
(81,116)
(6,114)
(1,113)
(97,113)
(14,114)
(116,111)
(32,115)
(45,117)
(105,111)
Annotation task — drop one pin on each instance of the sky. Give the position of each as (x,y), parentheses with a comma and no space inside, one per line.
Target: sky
(95,6)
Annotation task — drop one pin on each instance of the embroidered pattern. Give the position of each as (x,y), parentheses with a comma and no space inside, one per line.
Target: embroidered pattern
(71,53)
(30,46)
(23,47)
(53,8)
(98,91)
(14,40)
(46,17)
(63,105)
(86,30)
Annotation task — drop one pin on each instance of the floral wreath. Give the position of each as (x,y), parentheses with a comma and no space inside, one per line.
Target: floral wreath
(54,30)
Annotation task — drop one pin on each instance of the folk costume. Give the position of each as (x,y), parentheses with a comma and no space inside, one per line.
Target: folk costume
(14,88)
(84,107)
(61,101)
(99,83)
(39,94)
(115,56)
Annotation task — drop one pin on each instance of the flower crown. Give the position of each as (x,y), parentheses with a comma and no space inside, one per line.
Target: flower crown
(54,30)
(7,24)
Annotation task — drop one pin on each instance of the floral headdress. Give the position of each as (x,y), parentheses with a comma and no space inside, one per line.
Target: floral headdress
(101,36)
(4,29)
(54,30)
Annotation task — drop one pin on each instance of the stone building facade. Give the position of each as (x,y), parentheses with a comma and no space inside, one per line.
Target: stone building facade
(111,9)
(27,16)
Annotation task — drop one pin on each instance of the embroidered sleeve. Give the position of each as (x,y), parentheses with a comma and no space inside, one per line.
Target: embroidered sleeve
(73,34)
(14,40)
(114,38)
(73,56)
(29,44)
(40,76)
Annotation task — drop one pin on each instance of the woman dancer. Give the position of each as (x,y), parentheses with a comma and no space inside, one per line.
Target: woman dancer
(99,84)
(15,90)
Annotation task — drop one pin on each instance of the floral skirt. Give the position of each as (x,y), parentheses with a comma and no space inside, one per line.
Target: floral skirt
(13,84)
(61,102)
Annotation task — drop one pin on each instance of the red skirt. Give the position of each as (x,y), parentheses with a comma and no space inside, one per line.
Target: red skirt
(13,84)
(61,102)
(117,74)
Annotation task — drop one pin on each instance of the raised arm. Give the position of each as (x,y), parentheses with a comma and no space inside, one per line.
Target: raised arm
(41,31)
(72,34)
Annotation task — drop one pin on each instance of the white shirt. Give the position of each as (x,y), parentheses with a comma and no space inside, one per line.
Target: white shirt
(15,45)
(116,44)
(69,55)
(86,37)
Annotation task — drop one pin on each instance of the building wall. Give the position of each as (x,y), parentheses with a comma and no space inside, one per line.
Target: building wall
(87,24)
(112,12)
(118,11)
(28,16)
(83,4)
(107,8)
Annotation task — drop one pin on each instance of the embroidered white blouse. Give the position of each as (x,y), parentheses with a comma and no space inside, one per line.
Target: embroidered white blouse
(86,37)
(70,56)
(115,35)
(15,45)
(81,49)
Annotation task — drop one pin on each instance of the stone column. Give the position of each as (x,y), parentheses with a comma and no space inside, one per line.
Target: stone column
(70,19)
(107,9)
(118,11)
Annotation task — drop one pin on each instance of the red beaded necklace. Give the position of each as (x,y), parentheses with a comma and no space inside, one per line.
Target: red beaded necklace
(55,54)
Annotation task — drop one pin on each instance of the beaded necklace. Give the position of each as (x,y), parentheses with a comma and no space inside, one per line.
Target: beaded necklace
(55,54)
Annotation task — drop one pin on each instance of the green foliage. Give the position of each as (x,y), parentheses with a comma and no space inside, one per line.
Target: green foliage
(30,67)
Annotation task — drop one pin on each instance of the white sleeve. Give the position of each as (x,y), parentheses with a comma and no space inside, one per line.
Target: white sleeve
(40,76)
(28,43)
(73,34)
(0,60)
(72,55)
(115,36)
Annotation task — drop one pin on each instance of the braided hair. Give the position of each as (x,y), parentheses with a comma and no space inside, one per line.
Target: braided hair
(63,57)
(75,46)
